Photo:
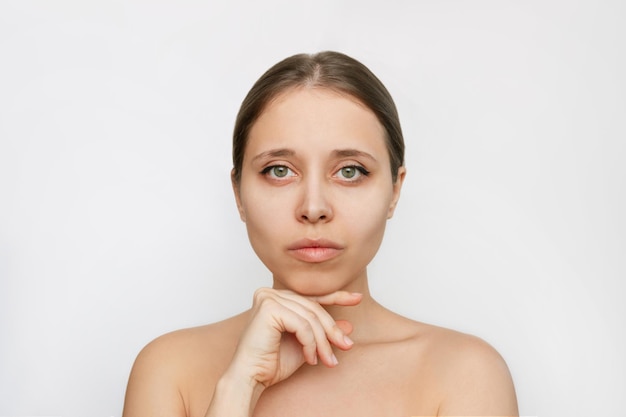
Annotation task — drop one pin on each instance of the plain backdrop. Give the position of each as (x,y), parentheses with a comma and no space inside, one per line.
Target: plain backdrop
(117,221)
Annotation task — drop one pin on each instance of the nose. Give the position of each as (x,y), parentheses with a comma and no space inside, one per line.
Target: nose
(314,205)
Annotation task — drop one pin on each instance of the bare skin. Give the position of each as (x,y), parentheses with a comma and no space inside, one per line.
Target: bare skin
(396,367)
(315,194)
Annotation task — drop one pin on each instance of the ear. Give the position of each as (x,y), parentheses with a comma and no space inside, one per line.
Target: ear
(235,184)
(397,186)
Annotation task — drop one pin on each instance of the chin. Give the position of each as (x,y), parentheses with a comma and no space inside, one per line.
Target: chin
(314,283)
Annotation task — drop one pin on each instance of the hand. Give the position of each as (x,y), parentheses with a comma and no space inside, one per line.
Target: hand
(287,330)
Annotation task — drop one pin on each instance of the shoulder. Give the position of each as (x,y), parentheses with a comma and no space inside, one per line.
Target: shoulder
(167,354)
(162,369)
(473,377)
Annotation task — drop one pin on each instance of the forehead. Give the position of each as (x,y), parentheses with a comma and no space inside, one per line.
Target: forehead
(315,116)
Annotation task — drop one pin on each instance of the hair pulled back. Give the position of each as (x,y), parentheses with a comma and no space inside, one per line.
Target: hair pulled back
(331,70)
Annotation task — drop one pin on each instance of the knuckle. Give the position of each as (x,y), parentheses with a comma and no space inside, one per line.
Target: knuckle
(336,330)
(306,332)
(310,315)
(313,307)
(264,302)
(260,295)
(306,325)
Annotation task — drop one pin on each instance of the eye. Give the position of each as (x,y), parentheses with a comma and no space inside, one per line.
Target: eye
(352,172)
(278,171)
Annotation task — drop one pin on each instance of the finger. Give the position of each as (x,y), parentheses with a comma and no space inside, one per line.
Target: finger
(345,326)
(293,317)
(341,298)
(304,306)
(318,329)
(266,303)
(289,321)
(332,332)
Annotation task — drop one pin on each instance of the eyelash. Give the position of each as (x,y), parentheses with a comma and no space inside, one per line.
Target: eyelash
(361,170)
(268,169)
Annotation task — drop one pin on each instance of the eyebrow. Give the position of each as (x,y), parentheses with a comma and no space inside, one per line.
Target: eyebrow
(275,153)
(344,153)
(338,153)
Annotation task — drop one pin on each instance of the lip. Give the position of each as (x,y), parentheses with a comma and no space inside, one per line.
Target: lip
(314,250)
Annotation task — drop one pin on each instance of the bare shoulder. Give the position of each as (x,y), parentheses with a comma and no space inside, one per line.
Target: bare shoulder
(473,377)
(157,383)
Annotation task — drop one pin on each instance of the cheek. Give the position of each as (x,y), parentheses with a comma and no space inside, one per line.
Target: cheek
(359,217)
(366,217)
(265,219)
(367,222)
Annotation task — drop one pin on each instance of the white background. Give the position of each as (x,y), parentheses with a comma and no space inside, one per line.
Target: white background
(117,221)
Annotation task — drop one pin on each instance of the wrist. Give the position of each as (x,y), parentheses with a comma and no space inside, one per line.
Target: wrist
(235,394)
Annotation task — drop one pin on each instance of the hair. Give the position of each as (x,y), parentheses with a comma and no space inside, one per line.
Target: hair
(331,70)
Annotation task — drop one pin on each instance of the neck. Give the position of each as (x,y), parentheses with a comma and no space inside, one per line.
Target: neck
(364,317)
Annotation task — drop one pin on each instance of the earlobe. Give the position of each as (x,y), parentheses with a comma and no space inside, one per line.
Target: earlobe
(397,186)
(235,185)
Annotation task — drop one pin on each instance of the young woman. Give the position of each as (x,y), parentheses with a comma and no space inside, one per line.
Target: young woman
(318,161)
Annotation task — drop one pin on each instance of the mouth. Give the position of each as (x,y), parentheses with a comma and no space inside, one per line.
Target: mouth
(314,250)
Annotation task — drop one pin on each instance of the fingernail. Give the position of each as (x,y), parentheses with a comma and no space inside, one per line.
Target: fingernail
(334,360)
(347,340)
(356,294)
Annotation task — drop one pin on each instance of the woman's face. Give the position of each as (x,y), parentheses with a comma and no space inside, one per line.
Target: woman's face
(316,190)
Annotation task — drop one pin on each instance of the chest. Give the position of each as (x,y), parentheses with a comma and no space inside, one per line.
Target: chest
(365,383)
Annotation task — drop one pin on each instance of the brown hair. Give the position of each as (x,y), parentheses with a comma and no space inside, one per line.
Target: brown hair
(331,70)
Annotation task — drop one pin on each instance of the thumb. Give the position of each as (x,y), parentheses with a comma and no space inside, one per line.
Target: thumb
(345,326)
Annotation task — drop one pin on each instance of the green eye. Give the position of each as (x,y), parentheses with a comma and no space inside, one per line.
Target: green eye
(352,173)
(280,171)
(348,172)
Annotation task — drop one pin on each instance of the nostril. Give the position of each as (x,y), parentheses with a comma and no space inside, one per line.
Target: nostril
(309,218)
